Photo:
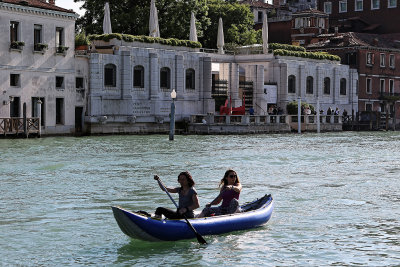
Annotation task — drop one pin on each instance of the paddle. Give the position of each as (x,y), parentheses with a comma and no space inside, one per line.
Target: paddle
(200,239)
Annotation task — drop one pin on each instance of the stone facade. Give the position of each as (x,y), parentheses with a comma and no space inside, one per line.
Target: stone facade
(122,102)
(270,74)
(30,71)
(135,103)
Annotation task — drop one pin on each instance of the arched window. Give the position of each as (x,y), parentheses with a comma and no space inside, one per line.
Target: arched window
(190,83)
(291,84)
(165,78)
(138,76)
(310,85)
(110,75)
(343,88)
(327,86)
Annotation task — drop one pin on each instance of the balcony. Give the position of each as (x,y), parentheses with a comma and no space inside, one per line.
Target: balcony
(391,97)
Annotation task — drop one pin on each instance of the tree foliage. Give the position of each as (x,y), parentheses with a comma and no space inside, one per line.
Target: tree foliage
(132,17)
(238,21)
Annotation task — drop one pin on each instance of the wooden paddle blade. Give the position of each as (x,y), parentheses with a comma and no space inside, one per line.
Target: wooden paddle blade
(200,239)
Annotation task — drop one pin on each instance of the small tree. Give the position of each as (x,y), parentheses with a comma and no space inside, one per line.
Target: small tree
(81,39)
(292,107)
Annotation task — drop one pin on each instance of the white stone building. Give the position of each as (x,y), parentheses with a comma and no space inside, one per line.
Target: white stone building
(130,84)
(37,62)
(278,80)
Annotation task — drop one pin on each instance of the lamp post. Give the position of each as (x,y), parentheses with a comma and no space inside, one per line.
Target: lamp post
(172,116)
(299,114)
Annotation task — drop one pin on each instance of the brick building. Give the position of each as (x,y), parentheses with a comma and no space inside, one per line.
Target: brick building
(370,16)
(307,24)
(377,59)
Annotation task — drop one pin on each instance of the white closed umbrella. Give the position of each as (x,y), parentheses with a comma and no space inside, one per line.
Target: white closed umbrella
(107,20)
(265,34)
(153,23)
(220,38)
(193,31)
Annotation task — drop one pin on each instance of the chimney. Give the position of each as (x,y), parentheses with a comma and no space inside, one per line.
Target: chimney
(346,39)
(52,2)
(375,41)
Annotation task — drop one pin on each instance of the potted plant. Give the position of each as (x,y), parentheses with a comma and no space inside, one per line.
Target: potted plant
(40,47)
(81,41)
(17,45)
(61,49)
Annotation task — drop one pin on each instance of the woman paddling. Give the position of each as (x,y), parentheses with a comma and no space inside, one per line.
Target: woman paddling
(229,195)
(188,200)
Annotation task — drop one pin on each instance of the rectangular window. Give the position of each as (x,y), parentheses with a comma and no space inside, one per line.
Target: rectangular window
(358,5)
(260,16)
(382,86)
(15,80)
(382,60)
(370,59)
(60,111)
(342,6)
(375,4)
(328,7)
(79,83)
(392,3)
(391,61)
(59,82)
(391,87)
(14,31)
(368,107)
(59,37)
(37,34)
(369,86)
(138,77)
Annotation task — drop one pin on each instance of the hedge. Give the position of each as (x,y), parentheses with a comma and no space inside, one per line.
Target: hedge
(144,39)
(312,55)
(274,46)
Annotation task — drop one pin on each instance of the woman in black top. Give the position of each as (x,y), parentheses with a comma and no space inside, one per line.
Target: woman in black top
(188,200)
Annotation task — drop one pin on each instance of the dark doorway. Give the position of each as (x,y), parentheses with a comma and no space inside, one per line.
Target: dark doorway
(78,120)
(15,107)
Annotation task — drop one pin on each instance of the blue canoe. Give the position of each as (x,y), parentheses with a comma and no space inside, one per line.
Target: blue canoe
(137,225)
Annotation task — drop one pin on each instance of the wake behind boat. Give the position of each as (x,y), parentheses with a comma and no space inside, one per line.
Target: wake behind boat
(138,225)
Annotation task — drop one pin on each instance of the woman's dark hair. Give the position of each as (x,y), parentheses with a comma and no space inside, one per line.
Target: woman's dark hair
(224,181)
(189,178)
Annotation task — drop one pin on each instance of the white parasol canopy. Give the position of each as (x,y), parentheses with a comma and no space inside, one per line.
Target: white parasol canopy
(220,39)
(193,31)
(265,34)
(107,20)
(153,23)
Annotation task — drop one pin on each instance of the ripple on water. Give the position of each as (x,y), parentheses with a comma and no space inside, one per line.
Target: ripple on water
(336,198)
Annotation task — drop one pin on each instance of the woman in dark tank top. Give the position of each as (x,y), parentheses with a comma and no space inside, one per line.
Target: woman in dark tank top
(188,200)
(229,195)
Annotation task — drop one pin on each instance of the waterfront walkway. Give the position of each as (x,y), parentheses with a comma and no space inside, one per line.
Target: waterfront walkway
(19,127)
(243,124)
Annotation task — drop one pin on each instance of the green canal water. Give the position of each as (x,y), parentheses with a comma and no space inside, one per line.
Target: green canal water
(337,198)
